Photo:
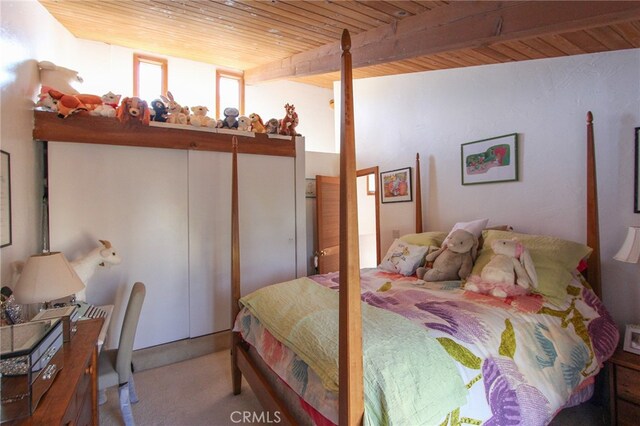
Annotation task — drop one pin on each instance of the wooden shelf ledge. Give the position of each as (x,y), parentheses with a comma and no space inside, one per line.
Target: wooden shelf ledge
(109,131)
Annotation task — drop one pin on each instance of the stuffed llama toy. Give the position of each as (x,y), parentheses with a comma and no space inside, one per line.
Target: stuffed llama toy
(452,261)
(58,78)
(86,265)
(510,272)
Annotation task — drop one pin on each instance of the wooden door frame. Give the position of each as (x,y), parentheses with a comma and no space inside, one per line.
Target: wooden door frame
(364,172)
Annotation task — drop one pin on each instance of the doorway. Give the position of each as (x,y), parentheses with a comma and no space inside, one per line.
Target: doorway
(328,226)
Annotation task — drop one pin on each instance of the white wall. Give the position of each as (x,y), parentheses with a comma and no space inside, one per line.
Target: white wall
(545,102)
(22,44)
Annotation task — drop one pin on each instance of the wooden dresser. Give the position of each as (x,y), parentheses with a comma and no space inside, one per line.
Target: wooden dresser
(73,396)
(624,384)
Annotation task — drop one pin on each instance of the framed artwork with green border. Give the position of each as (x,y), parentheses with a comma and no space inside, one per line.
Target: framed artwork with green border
(490,160)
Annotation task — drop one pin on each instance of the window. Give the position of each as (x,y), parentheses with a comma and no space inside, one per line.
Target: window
(229,91)
(149,77)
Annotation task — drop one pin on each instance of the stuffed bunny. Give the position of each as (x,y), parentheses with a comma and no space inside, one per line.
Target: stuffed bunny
(175,113)
(452,261)
(510,272)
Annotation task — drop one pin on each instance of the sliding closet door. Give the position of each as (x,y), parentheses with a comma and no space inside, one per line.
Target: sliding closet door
(267,231)
(136,198)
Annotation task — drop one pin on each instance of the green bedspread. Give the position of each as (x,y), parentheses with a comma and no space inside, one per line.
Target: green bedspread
(408,377)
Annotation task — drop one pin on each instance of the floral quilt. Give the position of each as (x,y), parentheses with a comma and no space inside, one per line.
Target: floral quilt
(522,358)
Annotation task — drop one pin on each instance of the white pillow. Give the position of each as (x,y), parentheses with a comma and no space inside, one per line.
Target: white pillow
(475,227)
(403,258)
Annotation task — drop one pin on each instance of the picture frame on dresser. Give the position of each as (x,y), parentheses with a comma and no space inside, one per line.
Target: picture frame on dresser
(636,180)
(632,338)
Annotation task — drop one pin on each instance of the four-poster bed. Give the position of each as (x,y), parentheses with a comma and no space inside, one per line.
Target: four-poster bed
(260,347)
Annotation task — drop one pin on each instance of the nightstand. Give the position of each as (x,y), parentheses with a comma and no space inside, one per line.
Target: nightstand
(624,385)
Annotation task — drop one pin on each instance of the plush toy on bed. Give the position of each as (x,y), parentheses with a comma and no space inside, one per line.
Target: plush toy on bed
(510,272)
(452,261)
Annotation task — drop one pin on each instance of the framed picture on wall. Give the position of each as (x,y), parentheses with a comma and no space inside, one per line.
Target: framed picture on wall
(5,199)
(636,188)
(396,186)
(490,160)
(310,189)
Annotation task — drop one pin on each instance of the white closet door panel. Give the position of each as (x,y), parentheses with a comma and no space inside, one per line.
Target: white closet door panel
(137,199)
(267,231)
(209,242)
(267,207)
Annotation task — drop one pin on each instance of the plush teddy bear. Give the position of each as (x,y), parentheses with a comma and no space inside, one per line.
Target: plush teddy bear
(109,105)
(230,118)
(453,260)
(244,123)
(199,117)
(510,272)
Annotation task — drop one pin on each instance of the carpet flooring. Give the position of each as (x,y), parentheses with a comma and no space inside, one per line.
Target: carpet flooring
(198,392)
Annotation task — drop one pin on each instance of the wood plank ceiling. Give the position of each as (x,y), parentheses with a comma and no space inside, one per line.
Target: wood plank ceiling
(298,40)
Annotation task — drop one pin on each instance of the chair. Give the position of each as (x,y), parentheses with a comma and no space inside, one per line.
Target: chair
(114,366)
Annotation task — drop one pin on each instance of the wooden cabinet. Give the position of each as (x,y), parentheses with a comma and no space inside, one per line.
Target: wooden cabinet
(624,380)
(73,396)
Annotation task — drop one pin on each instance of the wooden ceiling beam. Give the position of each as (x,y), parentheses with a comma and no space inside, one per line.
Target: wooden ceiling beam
(460,25)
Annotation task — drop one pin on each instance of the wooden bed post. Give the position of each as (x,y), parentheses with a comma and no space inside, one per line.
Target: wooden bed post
(418,196)
(236,375)
(593,223)
(351,399)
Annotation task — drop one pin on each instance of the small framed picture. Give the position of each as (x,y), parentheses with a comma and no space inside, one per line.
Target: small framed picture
(490,160)
(396,186)
(310,189)
(632,338)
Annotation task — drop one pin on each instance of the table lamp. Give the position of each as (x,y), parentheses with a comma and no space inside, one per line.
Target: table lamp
(630,250)
(46,277)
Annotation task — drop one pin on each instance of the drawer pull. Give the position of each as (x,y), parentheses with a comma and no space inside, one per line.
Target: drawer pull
(88,370)
(49,372)
(50,353)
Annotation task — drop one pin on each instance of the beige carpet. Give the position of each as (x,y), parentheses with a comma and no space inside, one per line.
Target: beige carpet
(194,392)
(198,392)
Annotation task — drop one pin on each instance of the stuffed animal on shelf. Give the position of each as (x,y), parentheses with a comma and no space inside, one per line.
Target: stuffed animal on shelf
(230,118)
(159,111)
(58,78)
(453,260)
(133,110)
(199,117)
(109,105)
(244,123)
(46,101)
(289,122)
(510,272)
(257,125)
(272,126)
(176,113)
(72,104)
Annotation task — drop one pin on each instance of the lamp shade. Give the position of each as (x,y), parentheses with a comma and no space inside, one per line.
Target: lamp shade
(46,277)
(630,250)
